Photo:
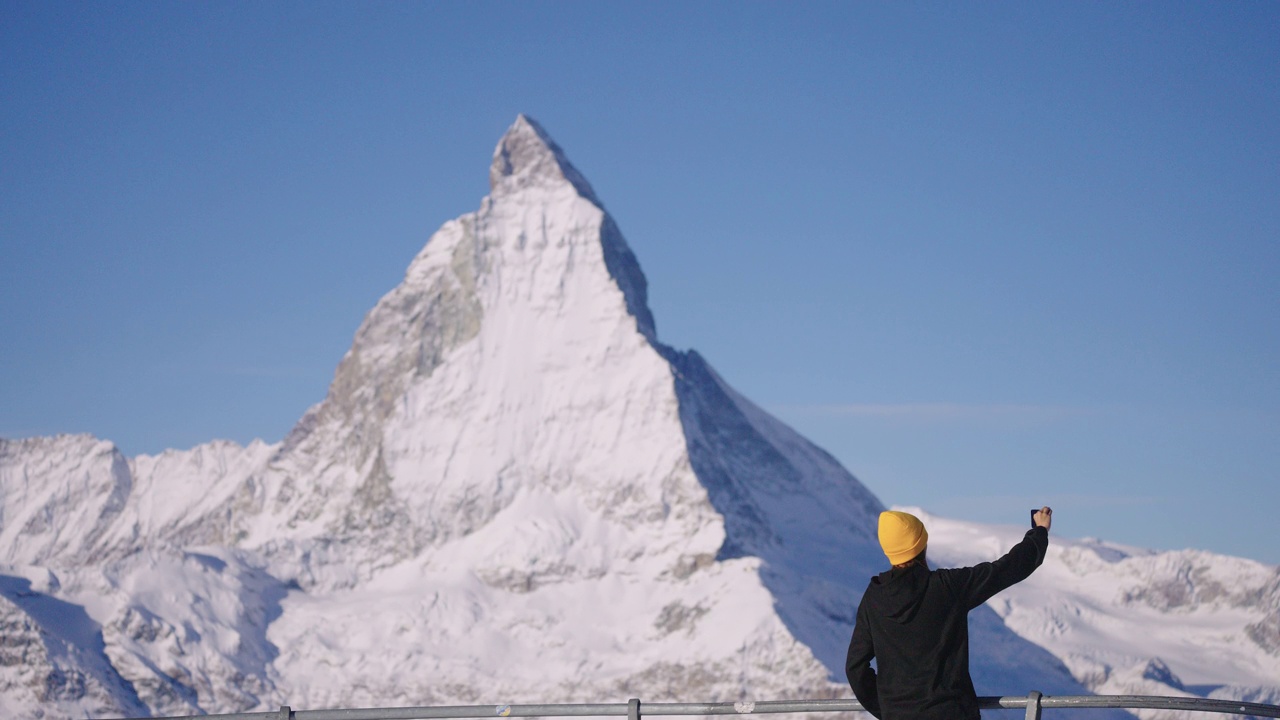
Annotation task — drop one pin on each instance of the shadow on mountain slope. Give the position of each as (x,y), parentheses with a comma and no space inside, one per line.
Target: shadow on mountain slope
(791,504)
(75,650)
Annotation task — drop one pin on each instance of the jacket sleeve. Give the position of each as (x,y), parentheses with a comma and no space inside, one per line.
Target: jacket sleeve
(857,665)
(987,579)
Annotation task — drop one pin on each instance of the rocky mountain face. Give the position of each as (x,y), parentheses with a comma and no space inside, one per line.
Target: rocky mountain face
(513,492)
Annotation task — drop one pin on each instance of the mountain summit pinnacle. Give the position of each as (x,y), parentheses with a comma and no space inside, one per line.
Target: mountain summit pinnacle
(528,157)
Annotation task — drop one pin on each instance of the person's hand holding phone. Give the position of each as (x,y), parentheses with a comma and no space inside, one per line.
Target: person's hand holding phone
(1042,517)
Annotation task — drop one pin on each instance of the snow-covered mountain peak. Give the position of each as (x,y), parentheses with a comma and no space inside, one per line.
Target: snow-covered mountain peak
(519,346)
(528,157)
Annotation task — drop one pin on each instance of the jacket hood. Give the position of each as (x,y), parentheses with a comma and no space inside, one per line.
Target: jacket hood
(898,593)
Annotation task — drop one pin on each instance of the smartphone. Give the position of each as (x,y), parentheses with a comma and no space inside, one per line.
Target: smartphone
(1033,516)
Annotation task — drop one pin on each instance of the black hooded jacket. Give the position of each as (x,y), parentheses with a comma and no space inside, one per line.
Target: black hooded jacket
(915,622)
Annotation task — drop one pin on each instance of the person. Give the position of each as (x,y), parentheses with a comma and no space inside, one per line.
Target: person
(914,622)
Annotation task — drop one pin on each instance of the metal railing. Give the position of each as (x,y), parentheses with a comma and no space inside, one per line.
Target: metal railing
(1034,702)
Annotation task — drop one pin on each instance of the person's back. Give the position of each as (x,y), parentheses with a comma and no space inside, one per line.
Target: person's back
(914,622)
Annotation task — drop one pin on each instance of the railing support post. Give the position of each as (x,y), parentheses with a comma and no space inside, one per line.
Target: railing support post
(286,713)
(1033,705)
(633,709)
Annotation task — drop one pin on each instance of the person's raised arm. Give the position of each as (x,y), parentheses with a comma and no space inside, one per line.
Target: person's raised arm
(984,580)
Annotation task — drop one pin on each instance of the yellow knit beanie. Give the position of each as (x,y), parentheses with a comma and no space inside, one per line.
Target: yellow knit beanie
(902,536)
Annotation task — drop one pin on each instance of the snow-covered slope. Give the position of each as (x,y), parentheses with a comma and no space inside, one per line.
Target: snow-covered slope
(512,492)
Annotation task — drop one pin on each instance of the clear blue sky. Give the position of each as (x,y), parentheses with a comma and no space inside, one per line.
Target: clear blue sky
(987,254)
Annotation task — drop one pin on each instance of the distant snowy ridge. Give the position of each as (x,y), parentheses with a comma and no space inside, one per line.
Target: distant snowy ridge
(514,492)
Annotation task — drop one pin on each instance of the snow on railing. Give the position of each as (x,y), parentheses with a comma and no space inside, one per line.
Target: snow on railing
(1034,702)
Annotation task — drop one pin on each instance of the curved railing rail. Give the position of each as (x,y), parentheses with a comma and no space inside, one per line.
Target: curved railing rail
(1034,702)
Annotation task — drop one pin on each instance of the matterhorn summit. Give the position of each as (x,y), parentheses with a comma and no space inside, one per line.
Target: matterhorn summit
(513,492)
